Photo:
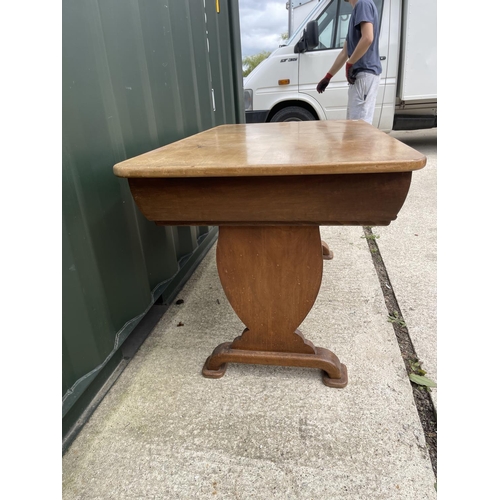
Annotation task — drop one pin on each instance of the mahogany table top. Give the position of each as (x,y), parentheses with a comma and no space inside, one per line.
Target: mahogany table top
(282,148)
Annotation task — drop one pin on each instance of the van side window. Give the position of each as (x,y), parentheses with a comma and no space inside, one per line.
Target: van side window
(334,22)
(342,24)
(326,26)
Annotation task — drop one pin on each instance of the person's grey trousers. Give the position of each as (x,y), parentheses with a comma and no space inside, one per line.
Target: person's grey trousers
(362,96)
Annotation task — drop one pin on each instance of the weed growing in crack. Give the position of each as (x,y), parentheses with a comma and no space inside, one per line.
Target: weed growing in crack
(417,376)
(371,236)
(396,318)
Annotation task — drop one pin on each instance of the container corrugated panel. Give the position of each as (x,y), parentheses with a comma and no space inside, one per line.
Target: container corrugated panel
(136,75)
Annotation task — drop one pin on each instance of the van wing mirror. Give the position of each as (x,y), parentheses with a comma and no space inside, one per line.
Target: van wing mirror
(309,39)
(312,37)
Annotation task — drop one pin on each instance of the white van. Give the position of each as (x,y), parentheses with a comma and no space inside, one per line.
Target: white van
(283,86)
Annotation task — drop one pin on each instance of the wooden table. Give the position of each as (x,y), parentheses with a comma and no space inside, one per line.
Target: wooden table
(269,187)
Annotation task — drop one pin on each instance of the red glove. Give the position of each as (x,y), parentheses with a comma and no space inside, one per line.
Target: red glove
(349,73)
(324,83)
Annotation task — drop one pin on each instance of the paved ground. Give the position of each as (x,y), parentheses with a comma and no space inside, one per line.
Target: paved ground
(409,249)
(165,432)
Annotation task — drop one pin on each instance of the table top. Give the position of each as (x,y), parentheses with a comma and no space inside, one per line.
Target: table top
(281,148)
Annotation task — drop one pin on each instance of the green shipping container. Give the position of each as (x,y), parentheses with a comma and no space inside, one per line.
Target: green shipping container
(137,74)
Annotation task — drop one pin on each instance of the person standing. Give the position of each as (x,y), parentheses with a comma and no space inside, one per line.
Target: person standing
(360,54)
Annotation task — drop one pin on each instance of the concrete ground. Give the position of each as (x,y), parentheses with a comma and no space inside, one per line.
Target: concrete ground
(409,249)
(261,432)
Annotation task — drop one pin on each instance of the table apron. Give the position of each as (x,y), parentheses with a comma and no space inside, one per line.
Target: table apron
(341,199)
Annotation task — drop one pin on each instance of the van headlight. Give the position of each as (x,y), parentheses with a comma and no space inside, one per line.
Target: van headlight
(248,100)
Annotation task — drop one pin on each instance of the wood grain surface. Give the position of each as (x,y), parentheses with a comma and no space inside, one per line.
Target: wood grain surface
(286,148)
(362,199)
(271,277)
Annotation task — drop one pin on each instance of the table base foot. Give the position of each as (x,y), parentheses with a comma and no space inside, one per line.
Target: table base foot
(337,383)
(326,252)
(334,373)
(214,373)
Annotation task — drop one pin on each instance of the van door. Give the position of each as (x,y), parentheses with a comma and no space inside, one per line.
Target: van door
(333,23)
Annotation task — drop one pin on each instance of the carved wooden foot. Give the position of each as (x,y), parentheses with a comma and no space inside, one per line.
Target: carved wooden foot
(334,372)
(271,276)
(327,253)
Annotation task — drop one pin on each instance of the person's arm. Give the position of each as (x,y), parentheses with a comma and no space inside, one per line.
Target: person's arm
(364,43)
(338,63)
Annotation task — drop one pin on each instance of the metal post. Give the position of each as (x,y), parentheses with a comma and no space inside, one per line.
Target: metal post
(289,6)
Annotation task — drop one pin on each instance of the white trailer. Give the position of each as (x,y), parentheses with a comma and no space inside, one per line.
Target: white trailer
(283,86)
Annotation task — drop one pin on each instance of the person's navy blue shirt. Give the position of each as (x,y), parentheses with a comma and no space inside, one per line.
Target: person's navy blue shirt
(364,11)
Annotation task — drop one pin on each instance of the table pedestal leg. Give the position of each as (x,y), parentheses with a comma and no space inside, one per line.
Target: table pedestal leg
(271,276)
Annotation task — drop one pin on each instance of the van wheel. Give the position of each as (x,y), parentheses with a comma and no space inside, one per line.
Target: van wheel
(293,114)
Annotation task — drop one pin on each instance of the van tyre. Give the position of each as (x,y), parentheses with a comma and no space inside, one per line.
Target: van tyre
(293,114)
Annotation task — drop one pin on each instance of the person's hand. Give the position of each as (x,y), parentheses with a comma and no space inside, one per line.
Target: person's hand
(324,83)
(349,74)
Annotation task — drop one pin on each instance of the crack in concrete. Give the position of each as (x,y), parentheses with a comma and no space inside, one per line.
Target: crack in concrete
(423,400)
